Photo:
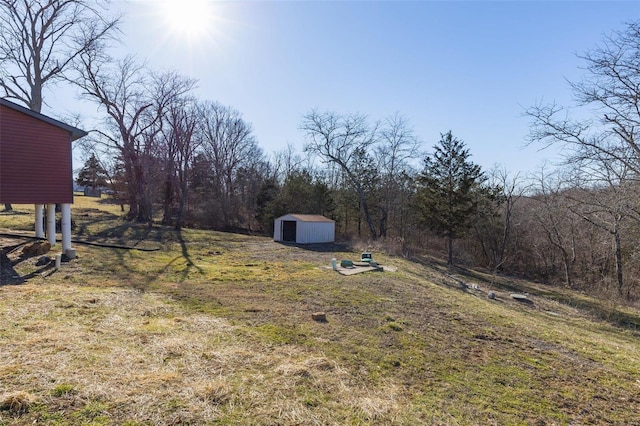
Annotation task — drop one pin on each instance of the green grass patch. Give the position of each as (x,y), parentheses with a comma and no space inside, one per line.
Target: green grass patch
(63,389)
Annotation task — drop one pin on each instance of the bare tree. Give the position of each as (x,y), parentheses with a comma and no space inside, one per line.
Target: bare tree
(179,147)
(495,228)
(285,162)
(230,148)
(135,101)
(398,145)
(121,92)
(559,225)
(339,139)
(610,91)
(40,39)
(604,195)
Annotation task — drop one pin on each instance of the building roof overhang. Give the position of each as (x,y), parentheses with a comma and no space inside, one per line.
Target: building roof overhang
(74,131)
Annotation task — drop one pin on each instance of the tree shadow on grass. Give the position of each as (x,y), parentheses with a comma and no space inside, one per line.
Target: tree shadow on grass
(128,234)
(8,275)
(134,235)
(186,256)
(85,219)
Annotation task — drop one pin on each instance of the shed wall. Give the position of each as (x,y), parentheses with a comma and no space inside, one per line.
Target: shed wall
(35,160)
(307,232)
(315,232)
(277,230)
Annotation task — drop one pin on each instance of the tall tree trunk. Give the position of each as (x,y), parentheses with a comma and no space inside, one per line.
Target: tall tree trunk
(383,221)
(618,250)
(168,200)
(567,269)
(367,216)
(36,95)
(181,204)
(132,193)
(144,199)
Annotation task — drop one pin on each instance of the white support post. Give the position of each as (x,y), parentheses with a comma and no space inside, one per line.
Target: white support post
(39,225)
(51,224)
(66,231)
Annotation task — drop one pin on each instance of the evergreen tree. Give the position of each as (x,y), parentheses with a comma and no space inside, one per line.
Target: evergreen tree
(300,192)
(92,174)
(303,193)
(448,191)
(267,206)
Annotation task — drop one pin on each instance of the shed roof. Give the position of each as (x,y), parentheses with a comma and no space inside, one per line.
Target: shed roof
(310,218)
(75,132)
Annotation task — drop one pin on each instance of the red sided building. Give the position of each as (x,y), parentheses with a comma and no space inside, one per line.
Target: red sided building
(36,166)
(35,157)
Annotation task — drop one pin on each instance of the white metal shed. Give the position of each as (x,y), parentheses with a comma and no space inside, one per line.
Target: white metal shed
(304,229)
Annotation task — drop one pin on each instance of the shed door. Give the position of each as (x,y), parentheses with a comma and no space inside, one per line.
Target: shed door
(289,230)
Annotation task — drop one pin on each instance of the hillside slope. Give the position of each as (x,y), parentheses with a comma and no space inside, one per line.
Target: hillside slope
(216,328)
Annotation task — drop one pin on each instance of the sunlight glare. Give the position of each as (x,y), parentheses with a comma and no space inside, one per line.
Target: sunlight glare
(188,18)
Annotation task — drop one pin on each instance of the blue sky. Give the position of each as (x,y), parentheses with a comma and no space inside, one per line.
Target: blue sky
(469,67)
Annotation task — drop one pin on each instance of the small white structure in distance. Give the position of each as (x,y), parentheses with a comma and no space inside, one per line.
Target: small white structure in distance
(304,229)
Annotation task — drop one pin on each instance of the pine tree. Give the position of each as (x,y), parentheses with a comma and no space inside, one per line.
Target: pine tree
(267,206)
(92,174)
(448,190)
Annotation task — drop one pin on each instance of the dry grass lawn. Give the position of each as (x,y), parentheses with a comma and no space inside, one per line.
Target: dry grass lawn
(214,328)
